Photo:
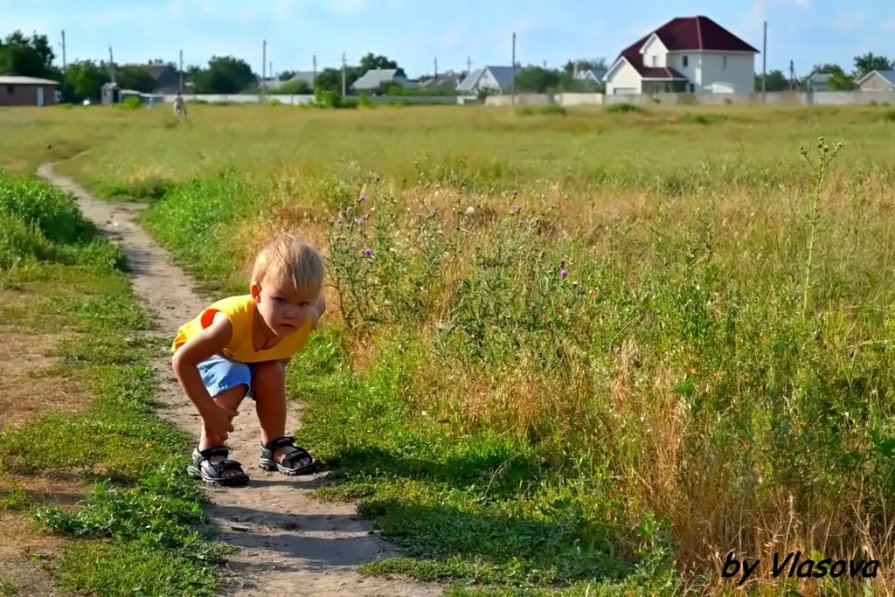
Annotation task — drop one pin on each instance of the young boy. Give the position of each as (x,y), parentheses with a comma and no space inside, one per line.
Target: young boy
(242,344)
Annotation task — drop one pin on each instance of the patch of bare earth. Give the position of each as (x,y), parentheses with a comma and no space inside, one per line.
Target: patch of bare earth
(28,389)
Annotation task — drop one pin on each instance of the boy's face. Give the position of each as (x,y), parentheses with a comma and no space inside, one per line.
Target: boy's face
(283,308)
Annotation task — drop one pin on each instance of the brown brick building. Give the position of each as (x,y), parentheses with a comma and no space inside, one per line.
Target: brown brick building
(27,91)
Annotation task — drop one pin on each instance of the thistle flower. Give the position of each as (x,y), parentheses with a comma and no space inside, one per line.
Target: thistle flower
(368,252)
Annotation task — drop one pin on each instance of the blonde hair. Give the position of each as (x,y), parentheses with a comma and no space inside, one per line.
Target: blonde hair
(289,259)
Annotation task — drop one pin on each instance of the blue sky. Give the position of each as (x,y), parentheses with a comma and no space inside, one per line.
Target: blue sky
(415,32)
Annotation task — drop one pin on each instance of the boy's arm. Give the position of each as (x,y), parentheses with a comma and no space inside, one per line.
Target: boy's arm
(186,361)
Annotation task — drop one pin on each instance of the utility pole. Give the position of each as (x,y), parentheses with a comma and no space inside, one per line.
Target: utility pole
(764,66)
(314,73)
(64,68)
(263,67)
(792,76)
(514,68)
(111,64)
(180,71)
(436,69)
(468,65)
(343,74)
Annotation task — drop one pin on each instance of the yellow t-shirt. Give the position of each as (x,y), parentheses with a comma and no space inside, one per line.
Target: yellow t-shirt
(240,310)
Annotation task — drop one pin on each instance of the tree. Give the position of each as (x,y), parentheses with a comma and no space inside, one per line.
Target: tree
(371,62)
(295,88)
(870,62)
(135,77)
(225,74)
(330,79)
(85,79)
(536,79)
(776,81)
(26,57)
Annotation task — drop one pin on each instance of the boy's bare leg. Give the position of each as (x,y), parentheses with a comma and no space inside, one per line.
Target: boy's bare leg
(269,385)
(229,399)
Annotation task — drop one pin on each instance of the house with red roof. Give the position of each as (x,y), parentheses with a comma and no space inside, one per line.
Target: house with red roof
(686,54)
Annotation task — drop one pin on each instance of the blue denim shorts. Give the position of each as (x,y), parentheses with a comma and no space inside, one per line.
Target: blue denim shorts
(220,374)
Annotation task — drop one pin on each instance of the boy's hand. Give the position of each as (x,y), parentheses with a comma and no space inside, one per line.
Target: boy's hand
(218,423)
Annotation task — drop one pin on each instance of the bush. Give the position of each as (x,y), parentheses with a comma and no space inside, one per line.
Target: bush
(547,109)
(703,119)
(129,103)
(20,241)
(624,108)
(37,203)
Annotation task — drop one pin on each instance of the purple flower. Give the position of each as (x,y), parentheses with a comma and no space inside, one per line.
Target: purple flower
(362,197)
(563,273)
(368,252)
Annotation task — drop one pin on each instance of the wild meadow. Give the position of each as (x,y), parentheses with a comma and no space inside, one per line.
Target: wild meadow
(590,352)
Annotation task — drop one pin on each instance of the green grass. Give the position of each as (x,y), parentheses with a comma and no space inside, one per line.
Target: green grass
(719,345)
(136,530)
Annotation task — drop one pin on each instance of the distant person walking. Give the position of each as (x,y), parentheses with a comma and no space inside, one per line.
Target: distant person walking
(179,107)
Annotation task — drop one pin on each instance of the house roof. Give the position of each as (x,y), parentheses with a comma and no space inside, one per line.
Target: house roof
(888,75)
(652,72)
(373,78)
(156,69)
(442,80)
(305,75)
(681,34)
(16,80)
(503,75)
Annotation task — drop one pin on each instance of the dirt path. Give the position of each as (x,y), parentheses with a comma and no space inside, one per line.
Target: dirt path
(290,544)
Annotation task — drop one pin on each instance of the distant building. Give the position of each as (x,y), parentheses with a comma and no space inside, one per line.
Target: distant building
(492,79)
(819,81)
(686,54)
(167,77)
(110,93)
(375,78)
(447,81)
(877,80)
(27,91)
(592,76)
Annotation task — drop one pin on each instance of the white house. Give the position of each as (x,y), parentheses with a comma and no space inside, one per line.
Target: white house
(686,54)
(877,80)
(496,79)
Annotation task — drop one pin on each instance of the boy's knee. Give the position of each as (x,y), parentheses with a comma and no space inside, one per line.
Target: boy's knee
(270,372)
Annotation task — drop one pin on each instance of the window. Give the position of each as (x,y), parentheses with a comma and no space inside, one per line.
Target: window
(686,61)
(10,89)
(655,60)
(724,62)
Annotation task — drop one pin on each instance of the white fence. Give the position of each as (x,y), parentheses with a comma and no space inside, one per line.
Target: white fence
(781,98)
(298,100)
(784,98)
